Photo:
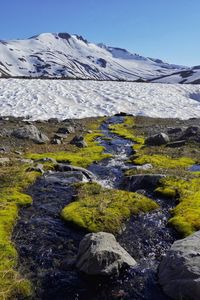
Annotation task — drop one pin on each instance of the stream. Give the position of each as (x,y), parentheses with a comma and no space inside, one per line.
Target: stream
(47,246)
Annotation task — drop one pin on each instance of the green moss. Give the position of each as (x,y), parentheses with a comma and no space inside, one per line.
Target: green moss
(126,130)
(100,209)
(82,157)
(186,215)
(13,181)
(166,192)
(164,161)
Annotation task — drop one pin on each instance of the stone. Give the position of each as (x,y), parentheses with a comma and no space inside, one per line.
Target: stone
(191,133)
(37,168)
(157,139)
(60,136)
(64,167)
(46,159)
(65,178)
(174,130)
(66,130)
(143,167)
(4,161)
(141,182)
(18,152)
(25,160)
(79,141)
(30,132)
(179,271)
(56,141)
(100,254)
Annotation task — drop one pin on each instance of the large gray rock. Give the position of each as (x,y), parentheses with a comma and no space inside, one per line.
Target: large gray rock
(100,254)
(141,181)
(64,167)
(157,139)
(30,132)
(179,272)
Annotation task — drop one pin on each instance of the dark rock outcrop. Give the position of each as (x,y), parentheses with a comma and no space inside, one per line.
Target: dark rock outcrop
(157,139)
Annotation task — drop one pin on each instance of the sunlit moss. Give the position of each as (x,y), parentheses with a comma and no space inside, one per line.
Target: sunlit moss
(126,130)
(13,180)
(186,215)
(82,157)
(164,161)
(101,209)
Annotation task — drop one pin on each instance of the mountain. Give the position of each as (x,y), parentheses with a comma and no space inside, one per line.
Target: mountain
(63,55)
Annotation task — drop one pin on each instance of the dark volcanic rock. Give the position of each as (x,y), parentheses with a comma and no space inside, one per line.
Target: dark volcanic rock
(157,139)
(79,141)
(142,181)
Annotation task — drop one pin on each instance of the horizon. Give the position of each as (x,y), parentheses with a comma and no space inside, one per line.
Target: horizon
(166,31)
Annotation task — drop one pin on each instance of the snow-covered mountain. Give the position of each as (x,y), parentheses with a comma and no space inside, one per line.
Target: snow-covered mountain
(64,55)
(190,75)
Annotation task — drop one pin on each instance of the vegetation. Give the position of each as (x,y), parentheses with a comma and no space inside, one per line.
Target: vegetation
(164,161)
(180,183)
(100,209)
(126,130)
(186,215)
(13,180)
(82,157)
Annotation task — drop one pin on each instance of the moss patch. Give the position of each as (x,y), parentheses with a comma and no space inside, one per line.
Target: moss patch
(164,161)
(186,215)
(101,209)
(13,180)
(82,157)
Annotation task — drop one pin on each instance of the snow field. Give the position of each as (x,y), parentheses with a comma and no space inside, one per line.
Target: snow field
(44,99)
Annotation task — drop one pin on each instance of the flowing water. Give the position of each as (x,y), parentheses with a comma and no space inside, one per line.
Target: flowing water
(47,246)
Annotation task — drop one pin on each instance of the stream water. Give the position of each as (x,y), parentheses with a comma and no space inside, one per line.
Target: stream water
(47,246)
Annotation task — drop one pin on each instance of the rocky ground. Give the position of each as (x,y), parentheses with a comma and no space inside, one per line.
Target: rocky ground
(164,156)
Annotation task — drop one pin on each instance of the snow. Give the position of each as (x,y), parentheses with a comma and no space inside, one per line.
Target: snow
(44,99)
(50,55)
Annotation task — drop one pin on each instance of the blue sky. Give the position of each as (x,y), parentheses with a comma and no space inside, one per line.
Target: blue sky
(166,29)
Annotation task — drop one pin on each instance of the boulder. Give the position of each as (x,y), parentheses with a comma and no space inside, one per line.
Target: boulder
(64,168)
(157,139)
(65,178)
(30,132)
(65,130)
(79,141)
(141,182)
(179,271)
(100,254)
(191,133)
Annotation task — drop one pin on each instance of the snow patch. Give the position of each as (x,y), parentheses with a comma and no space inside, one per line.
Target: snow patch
(44,99)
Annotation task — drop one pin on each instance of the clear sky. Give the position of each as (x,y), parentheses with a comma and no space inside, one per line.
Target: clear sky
(165,29)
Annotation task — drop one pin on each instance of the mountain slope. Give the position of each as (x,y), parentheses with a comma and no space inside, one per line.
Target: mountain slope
(64,55)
